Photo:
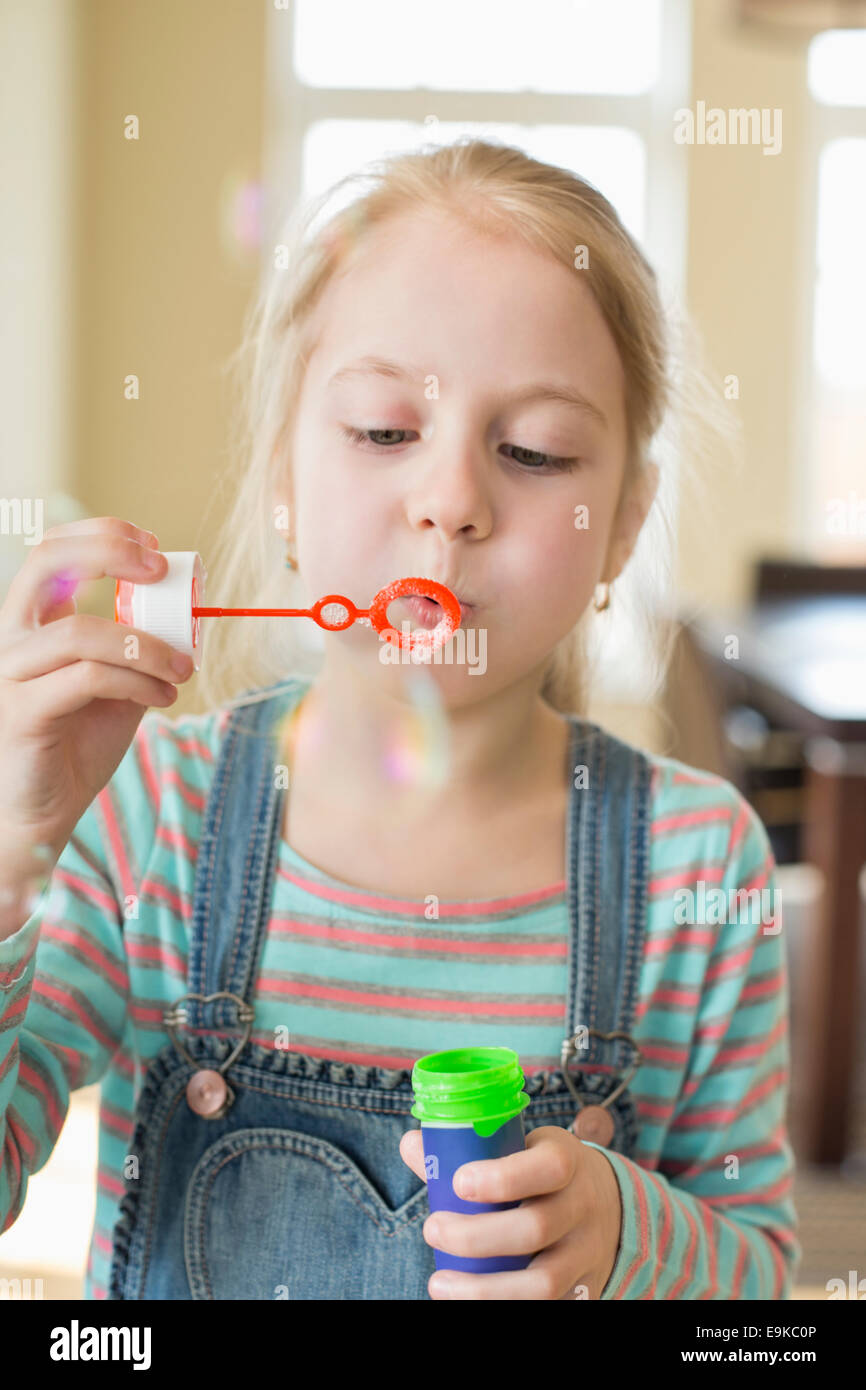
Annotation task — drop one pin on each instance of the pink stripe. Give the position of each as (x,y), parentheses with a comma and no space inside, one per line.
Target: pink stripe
(759,989)
(103,963)
(411,944)
(765,1196)
(118,849)
(172,778)
(51,995)
(410,908)
(294,990)
(733,964)
(642,1251)
(90,891)
(688,935)
(18,967)
(682,996)
(109,1182)
(710,1245)
(161,892)
(177,839)
(688,1260)
(739,827)
(665,1053)
(665,1233)
(150,1016)
(25,1140)
(40,1085)
(744,1051)
(694,873)
(114,1121)
(681,1167)
(190,746)
(758,880)
(170,960)
(682,820)
(707,1117)
(11,1159)
(149,776)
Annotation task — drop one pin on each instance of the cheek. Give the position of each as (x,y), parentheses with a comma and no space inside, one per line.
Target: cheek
(554,568)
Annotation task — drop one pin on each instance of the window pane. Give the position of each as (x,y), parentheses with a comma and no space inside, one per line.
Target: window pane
(840,344)
(838,471)
(486,45)
(837,67)
(612,158)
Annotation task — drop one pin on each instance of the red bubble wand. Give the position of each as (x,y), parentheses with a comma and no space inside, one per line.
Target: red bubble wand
(171,608)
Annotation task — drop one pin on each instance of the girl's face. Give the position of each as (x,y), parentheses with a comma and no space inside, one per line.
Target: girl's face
(462,404)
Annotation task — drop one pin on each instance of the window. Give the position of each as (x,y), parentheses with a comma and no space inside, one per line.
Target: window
(573,82)
(834,523)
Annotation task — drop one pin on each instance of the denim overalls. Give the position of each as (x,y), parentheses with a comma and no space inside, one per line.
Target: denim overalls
(298,1189)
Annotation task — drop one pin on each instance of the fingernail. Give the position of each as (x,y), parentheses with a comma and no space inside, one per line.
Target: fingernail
(442,1284)
(181,663)
(464,1184)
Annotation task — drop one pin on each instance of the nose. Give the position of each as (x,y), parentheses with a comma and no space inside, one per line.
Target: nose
(451,492)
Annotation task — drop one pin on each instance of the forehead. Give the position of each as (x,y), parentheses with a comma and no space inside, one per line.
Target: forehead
(475,310)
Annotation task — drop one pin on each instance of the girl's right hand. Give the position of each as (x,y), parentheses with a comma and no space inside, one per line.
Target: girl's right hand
(73,690)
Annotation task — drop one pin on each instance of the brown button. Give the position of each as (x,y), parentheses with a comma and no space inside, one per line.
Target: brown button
(206,1092)
(595,1123)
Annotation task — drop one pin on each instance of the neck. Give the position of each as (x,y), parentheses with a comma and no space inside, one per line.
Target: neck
(354,735)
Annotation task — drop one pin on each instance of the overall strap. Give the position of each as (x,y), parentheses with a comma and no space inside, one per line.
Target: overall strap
(237,857)
(607,865)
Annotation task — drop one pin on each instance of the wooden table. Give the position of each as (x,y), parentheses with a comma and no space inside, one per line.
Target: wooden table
(802,663)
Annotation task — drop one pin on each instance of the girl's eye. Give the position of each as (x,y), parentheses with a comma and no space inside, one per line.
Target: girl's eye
(531,459)
(365,436)
(535,461)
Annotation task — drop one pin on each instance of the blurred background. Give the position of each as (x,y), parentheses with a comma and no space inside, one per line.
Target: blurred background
(150,149)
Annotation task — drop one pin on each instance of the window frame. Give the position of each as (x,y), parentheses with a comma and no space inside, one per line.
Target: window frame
(292,106)
(823,124)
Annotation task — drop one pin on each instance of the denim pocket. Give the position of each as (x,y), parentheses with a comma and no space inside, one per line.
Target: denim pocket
(275,1213)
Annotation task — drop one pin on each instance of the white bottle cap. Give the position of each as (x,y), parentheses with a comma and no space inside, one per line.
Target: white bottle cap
(165,607)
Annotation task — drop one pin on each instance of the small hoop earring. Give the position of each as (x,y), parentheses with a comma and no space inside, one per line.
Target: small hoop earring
(600,607)
(291,560)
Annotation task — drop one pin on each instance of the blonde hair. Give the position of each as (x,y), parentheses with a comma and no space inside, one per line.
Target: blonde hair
(498,190)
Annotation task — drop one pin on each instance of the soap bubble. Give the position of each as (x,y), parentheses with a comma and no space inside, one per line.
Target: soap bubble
(417,750)
(410,749)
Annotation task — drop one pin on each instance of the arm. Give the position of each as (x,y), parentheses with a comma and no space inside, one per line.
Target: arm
(717,1221)
(63,976)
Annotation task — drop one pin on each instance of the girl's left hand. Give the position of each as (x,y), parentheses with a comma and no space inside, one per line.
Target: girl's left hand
(570,1213)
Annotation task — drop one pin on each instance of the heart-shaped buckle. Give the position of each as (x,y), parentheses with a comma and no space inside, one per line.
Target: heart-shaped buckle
(208,1093)
(569,1048)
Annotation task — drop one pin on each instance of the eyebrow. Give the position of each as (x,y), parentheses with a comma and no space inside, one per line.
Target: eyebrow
(538,390)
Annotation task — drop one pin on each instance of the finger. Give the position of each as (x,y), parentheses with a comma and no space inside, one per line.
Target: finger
(548,1162)
(53,570)
(86,637)
(72,687)
(111,525)
(522,1230)
(412,1152)
(555,1273)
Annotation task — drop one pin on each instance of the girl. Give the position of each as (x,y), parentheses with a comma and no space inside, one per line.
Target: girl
(459,377)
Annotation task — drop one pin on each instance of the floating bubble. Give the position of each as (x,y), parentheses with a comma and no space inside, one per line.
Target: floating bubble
(417,748)
(60,586)
(409,749)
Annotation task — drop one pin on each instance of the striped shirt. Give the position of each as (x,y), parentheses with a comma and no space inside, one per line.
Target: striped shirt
(376,979)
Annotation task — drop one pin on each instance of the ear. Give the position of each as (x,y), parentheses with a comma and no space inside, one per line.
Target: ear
(630,517)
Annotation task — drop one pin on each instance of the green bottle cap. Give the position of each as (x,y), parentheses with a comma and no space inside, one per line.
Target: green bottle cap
(481,1086)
